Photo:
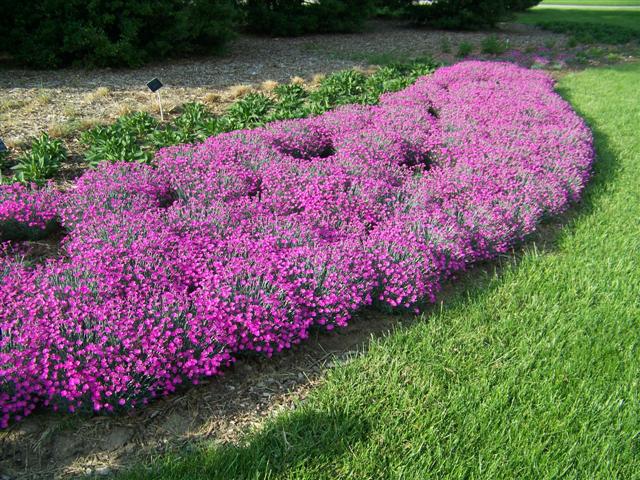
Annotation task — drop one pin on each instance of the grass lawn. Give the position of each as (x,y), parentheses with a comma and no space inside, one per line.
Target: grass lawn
(584,25)
(628,19)
(529,371)
(593,2)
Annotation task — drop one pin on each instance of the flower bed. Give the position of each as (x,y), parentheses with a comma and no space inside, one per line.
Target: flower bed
(26,212)
(246,241)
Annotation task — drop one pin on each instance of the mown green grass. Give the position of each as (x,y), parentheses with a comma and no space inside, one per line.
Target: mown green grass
(611,26)
(618,18)
(615,3)
(529,371)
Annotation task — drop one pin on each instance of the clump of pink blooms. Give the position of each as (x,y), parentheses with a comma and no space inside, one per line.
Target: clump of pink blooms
(248,240)
(26,210)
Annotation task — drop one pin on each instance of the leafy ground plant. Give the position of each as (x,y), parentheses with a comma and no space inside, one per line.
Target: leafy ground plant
(246,241)
(42,161)
(464,49)
(493,45)
(124,141)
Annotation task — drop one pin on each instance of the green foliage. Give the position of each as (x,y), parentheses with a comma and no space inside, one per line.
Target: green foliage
(55,33)
(493,45)
(465,49)
(391,8)
(609,25)
(339,88)
(4,157)
(122,141)
(194,124)
(41,162)
(297,17)
(522,5)
(290,103)
(250,111)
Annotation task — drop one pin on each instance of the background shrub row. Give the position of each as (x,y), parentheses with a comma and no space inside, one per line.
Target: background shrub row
(108,33)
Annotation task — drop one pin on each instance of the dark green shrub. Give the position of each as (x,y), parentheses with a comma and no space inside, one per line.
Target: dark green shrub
(41,162)
(54,33)
(391,8)
(297,17)
(522,5)
(4,157)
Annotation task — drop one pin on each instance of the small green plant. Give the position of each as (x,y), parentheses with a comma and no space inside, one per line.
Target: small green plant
(550,44)
(339,88)
(613,57)
(464,49)
(195,123)
(492,45)
(120,141)
(42,161)
(595,52)
(290,102)
(250,111)
(445,45)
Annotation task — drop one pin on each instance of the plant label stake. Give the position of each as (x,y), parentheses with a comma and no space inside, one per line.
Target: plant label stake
(155,85)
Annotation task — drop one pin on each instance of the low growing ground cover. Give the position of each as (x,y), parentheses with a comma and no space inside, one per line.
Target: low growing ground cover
(529,371)
(246,241)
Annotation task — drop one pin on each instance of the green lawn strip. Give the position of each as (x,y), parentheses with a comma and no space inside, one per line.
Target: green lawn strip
(531,371)
(612,3)
(584,25)
(619,18)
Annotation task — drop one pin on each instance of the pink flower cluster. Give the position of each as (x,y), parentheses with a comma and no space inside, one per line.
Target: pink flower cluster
(246,241)
(26,211)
